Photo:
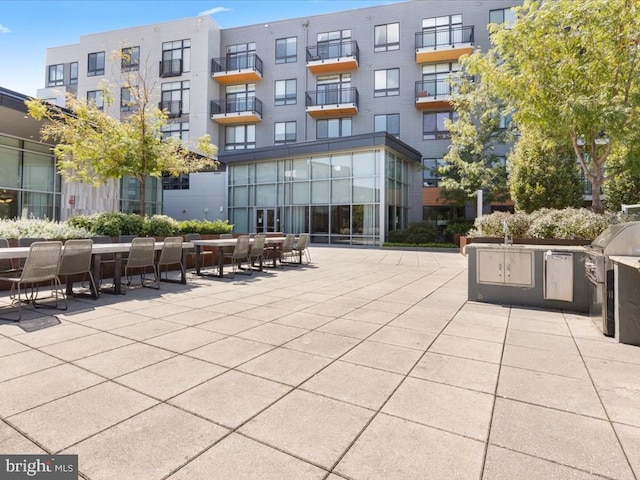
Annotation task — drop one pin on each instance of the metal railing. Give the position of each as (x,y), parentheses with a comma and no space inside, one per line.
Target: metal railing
(434,88)
(171,68)
(318,98)
(235,62)
(173,108)
(334,49)
(441,36)
(248,104)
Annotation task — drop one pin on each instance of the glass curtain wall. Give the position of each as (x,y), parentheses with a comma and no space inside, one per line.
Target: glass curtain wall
(335,197)
(29,186)
(130,195)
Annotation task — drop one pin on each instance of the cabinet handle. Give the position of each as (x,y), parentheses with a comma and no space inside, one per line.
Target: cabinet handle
(500,270)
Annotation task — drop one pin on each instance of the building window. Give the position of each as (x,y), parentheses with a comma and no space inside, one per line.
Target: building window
(240,137)
(285,132)
(73,73)
(433,125)
(502,16)
(447,30)
(286,92)
(176,58)
(95,97)
(333,127)
(286,50)
(176,129)
(241,56)
(96,64)
(55,76)
(240,98)
(334,44)
(386,82)
(130,59)
(127,102)
(175,98)
(430,175)
(389,123)
(386,37)
(436,78)
(181,182)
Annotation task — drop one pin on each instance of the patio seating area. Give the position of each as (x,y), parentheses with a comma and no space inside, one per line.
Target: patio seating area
(364,364)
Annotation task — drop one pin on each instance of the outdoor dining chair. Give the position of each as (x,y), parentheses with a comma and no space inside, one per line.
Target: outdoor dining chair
(76,260)
(41,265)
(204,254)
(142,258)
(171,254)
(301,246)
(6,265)
(26,242)
(240,253)
(287,248)
(256,253)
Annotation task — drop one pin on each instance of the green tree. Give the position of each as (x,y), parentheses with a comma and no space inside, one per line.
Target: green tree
(472,162)
(92,147)
(543,174)
(623,188)
(571,69)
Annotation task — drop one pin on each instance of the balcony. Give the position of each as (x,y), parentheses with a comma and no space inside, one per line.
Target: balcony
(333,57)
(171,68)
(332,103)
(443,44)
(236,111)
(173,108)
(234,69)
(433,94)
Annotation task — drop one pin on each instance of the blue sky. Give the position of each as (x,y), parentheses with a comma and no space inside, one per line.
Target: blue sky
(28,27)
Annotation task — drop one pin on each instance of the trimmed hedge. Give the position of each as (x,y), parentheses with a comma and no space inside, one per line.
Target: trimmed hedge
(416,233)
(568,223)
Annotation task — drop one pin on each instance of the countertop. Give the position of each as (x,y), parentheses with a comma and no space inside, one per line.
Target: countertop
(527,247)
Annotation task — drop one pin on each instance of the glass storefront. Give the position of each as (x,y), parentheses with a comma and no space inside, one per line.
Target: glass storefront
(29,187)
(335,197)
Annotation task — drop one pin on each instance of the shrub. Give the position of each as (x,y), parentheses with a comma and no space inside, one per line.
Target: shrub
(160,226)
(568,223)
(206,227)
(416,233)
(46,229)
(458,226)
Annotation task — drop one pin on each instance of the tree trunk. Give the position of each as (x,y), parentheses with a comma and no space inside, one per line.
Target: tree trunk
(143,184)
(596,198)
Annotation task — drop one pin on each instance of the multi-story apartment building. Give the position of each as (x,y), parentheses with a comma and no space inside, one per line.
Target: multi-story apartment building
(332,124)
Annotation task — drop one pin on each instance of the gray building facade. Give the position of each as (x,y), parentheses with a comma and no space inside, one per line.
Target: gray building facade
(305,80)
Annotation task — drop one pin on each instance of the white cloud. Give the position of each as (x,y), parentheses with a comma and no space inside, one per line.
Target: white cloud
(214,10)
(4,29)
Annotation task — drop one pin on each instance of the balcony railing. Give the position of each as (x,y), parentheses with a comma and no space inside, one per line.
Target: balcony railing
(173,108)
(444,36)
(238,105)
(333,50)
(236,62)
(323,98)
(434,88)
(171,68)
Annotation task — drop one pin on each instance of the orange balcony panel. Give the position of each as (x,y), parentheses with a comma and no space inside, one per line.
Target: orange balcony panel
(441,54)
(240,76)
(236,118)
(333,111)
(332,65)
(427,103)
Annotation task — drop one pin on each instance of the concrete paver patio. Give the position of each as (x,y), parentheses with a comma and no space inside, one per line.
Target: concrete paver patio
(366,364)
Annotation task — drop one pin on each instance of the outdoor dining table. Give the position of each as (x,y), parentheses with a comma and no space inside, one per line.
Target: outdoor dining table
(98,249)
(219,244)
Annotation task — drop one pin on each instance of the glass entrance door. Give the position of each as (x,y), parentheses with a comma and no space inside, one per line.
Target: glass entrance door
(266,220)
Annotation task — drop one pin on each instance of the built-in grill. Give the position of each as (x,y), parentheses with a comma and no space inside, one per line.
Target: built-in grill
(620,239)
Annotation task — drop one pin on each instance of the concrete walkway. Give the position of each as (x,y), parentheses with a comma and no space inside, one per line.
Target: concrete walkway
(366,364)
